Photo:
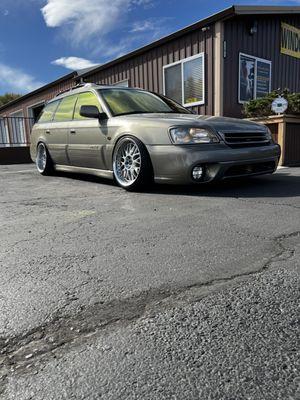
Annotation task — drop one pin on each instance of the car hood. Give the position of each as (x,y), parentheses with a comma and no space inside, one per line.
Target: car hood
(217,123)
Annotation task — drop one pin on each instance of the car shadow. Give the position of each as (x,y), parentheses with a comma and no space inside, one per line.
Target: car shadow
(281,184)
(85,178)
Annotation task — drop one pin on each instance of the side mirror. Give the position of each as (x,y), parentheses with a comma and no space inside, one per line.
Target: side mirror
(92,112)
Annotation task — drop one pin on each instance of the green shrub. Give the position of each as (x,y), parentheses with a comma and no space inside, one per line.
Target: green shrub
(262,107)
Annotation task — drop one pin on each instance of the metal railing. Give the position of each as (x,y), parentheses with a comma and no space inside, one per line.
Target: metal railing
(15,131)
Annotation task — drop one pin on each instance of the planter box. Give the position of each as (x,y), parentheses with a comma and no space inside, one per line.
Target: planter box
(286,132)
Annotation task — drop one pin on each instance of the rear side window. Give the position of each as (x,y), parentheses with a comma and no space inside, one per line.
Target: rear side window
(48,111)
(65,109)
(86,99)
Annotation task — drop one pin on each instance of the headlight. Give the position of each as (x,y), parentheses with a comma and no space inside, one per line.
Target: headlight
(186,135)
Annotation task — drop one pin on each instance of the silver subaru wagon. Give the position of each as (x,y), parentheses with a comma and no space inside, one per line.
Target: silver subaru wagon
(135,136)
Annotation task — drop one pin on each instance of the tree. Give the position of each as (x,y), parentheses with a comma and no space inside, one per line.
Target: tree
(7,97)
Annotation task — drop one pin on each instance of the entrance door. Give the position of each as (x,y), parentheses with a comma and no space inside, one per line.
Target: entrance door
(36,111)
(87,136)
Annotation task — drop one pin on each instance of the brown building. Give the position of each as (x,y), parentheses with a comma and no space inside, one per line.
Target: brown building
(212,66)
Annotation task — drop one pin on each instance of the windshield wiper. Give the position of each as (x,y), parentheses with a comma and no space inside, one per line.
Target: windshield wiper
(151,112)
(135,112)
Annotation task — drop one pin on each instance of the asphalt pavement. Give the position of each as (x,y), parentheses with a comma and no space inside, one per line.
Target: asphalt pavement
(175,293)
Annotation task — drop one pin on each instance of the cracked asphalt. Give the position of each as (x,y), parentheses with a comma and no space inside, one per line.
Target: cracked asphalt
(176,293)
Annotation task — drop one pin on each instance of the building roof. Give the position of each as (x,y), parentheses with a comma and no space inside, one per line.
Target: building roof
(230,12)
(219,16)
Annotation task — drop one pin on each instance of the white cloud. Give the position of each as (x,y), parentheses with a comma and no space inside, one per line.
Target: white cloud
(73,63)
(103,27)
(15,79)
(155,26)
(82,19)
(142,26)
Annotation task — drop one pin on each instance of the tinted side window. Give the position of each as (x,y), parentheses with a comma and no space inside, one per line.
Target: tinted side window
(86,99)
(65,109)
(48,112)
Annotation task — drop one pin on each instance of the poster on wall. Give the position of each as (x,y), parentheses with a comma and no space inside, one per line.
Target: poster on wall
(247,74)
(263,78)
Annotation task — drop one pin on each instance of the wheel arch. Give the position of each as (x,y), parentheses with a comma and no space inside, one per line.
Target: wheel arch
(125,134)
(148,157)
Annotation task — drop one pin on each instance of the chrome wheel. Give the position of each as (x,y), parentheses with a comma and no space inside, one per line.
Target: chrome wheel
(127,162)
(41,158)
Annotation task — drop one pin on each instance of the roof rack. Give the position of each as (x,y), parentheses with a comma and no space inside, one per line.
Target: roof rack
(85,84)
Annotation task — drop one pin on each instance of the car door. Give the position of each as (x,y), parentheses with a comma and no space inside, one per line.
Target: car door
(58,135)
(45,127)
(87,136)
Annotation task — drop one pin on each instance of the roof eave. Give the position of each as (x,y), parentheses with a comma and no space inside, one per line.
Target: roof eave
(263,10)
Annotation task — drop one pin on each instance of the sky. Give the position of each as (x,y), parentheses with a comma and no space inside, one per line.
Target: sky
(41,40)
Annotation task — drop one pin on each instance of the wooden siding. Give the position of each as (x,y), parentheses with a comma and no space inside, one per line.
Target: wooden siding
(264,44)
(146,70)
(292,144)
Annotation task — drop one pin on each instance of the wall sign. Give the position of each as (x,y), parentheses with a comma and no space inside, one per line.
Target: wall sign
(279,105)
(290,40)
(254,77)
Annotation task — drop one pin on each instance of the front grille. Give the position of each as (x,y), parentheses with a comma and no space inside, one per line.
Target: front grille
(245,139)
(250,169)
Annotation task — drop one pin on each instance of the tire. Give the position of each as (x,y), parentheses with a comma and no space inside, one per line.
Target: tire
(43,160)
(131,164)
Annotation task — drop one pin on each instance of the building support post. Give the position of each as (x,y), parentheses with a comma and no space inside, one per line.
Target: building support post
(218,68)
(281,140)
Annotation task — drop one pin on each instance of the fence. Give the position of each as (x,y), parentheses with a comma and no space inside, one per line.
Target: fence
(15,131)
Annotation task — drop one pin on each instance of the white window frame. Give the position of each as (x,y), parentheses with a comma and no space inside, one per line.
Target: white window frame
(183,61)
(255,75)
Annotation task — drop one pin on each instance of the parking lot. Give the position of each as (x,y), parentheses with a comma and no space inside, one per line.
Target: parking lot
(175,293)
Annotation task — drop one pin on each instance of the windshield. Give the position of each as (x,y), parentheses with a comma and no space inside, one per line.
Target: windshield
(134,101)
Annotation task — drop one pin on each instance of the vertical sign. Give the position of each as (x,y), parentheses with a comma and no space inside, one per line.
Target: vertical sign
(290,40)
(263,78)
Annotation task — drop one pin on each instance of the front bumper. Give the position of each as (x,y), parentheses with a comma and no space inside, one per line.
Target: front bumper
(174,164)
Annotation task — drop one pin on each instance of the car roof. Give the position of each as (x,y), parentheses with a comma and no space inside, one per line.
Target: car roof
(87,86)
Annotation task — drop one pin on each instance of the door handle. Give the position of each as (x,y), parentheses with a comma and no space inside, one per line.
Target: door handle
(47,131)
(72,132)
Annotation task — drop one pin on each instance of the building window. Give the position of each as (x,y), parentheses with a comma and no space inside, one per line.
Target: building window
(254,77)
(184,81)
